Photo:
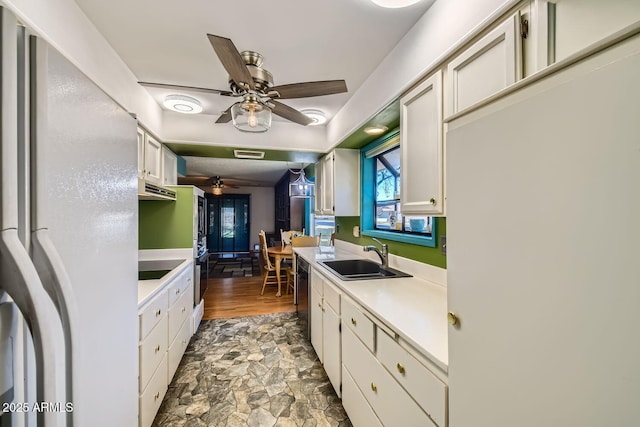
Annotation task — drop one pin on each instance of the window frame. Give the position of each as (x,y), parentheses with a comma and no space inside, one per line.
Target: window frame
(367,200)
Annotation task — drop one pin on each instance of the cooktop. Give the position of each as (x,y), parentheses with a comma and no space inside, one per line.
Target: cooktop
(156,269)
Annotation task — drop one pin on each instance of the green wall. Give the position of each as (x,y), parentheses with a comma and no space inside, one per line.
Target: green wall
(166,224)
(423,254)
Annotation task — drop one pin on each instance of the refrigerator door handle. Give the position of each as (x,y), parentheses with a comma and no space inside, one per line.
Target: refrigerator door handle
(21,281)
(57,283)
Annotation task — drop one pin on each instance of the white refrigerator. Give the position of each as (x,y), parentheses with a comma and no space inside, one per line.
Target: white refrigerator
(68,253)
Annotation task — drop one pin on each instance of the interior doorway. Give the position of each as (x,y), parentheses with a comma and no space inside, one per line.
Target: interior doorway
(228,228)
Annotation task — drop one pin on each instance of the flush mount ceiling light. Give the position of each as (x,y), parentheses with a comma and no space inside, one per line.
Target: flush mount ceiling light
(183,104)
(317,116)
(251,115)
(301,188)
(394,4)
(375,130)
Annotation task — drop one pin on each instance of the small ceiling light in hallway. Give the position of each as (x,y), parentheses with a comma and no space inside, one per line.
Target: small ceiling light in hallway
(394,4)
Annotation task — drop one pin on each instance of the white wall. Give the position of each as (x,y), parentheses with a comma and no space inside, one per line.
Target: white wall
(442,27)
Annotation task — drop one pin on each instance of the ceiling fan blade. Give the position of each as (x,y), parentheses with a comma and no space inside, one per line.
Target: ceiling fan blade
(290,113)
(231,60)
(190,88)
(225,117)
(308,89)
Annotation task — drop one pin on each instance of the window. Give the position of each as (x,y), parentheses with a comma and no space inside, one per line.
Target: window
(381,188)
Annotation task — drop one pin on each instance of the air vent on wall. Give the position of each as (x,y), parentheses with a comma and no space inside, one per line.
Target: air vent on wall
(248,154)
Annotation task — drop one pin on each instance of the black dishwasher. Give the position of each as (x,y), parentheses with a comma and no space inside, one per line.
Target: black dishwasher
(302,295)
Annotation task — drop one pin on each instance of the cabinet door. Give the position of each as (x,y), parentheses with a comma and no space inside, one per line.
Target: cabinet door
(571,25)
(153,159)
(141,171)
(346,180)
(328,201)
(316,322)
(421,146)
(169,167)
(487,67)
(331,346)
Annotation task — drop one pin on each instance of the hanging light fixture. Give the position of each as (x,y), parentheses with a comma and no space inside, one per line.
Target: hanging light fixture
(251,115)
(216,189)
(301,188)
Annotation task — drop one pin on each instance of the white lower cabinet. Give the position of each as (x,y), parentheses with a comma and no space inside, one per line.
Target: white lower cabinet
(325,327)
(392,405)
(165,331)
(354,402)
(383,375)
(151,397)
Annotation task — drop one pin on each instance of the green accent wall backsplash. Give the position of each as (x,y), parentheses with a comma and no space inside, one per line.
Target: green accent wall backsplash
(166,224)
(423,254)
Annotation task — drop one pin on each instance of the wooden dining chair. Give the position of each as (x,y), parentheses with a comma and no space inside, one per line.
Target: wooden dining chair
(270,276)
(286,236)
(302,241)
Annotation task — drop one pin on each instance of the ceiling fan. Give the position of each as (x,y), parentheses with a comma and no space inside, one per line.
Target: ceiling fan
(249,81)
(216,183)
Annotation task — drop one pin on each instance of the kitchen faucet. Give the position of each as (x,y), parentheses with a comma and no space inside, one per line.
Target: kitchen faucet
(383,254)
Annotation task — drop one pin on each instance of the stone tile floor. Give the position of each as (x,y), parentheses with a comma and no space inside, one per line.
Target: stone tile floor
(254,371)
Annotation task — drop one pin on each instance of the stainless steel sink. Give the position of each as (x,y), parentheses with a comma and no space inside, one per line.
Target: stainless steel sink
(361,269)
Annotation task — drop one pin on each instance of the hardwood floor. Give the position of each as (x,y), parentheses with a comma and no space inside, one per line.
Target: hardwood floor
(240,296)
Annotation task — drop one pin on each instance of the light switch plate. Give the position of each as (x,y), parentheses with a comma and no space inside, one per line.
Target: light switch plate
(443,245)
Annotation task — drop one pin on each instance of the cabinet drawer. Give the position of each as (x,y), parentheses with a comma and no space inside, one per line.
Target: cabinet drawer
(151,314)
(359,411)
(427,390)
(151,351)
(177,349)
(388,400)
(179,285)
(180,311)
(332,296)
(152,397)
(360,324)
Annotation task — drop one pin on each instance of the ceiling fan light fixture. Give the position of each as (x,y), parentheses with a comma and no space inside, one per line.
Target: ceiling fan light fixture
(394,4)
(216,190)
(183,104)
(251,115)
(317,116)
(375,130)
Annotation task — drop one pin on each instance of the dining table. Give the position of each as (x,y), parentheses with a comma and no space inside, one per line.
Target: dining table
(279,253)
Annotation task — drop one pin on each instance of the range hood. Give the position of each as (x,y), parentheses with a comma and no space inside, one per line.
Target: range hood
(150,191)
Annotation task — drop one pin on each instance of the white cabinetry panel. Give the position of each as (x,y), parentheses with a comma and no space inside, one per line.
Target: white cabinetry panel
(422,149)
(490,65)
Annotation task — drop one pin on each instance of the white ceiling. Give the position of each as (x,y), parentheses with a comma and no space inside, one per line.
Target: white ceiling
(165,41)
(241,172)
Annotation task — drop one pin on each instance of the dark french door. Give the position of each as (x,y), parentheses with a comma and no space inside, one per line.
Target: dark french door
(228,228)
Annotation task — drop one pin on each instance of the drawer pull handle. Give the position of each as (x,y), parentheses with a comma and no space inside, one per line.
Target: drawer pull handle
(319,305)
(157,349)
(353,322)
(158,311)
(400,368)
(156,396)
(432,201)
(374,388)
(177,291)
(184,309)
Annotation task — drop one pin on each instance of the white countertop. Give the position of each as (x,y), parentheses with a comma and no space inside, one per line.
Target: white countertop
(147,289)
(414,308)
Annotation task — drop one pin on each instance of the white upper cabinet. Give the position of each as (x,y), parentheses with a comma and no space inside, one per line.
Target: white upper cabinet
(169,167)
(490,65)
(338,183)
(141,171)
(152,159)
(573,25)
(422,149)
